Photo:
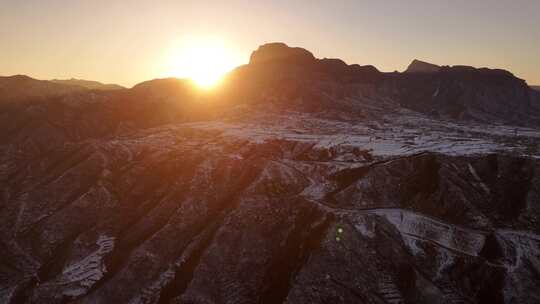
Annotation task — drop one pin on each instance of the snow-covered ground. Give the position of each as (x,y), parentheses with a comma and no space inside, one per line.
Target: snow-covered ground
(404,134)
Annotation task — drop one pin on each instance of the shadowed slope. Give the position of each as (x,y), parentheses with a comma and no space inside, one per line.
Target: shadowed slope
(300,180)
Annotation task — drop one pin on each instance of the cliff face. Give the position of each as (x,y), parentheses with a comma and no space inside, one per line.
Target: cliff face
(262,194)
(468,93)
(280,52)
(457,92)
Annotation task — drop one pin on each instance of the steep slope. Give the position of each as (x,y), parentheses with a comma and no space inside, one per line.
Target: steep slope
(189,214)
(463,92)
(294,77)
(466,93)
(299,181)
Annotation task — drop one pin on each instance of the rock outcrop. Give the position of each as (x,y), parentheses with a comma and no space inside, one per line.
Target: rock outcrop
(467,93)
(280,52)
(418,66)
(457,92)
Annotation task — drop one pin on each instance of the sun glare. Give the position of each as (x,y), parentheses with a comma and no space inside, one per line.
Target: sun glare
(204,61)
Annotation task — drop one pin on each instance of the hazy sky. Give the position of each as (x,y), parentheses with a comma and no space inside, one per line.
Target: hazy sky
(127,41)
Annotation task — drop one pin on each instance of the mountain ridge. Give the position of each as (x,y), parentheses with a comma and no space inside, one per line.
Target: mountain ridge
(89,84)
(453,92)
(24,87)
(308,181)
(418,66)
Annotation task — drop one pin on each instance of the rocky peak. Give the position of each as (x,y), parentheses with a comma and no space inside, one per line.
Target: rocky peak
(281,52)
(418,66)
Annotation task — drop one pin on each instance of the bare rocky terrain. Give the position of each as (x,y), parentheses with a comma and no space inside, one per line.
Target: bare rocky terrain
(300,180)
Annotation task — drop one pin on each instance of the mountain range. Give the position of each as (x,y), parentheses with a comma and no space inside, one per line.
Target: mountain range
(298,180)
(92,85)
(21,87)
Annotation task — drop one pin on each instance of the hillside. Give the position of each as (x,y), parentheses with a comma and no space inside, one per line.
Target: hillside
(299,180)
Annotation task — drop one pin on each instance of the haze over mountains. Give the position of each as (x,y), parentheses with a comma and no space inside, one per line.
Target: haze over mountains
(93,85)
(21,87)
(299,180)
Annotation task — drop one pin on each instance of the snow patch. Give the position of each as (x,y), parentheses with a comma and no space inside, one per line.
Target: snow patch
(86,272)
(417,226)
(480,182)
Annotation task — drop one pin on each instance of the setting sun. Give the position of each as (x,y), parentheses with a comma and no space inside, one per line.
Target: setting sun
(205,61)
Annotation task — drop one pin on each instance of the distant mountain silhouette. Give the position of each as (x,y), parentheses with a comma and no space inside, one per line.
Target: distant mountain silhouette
(277,55)
(20,87)
(162,86)
(277,51)
(418,66)
(92,85)
(293,78)
(296,78)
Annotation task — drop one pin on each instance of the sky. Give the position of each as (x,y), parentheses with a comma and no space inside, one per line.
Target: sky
(127,42)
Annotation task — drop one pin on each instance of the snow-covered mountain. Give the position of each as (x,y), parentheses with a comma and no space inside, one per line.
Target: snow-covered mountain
(300,180)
